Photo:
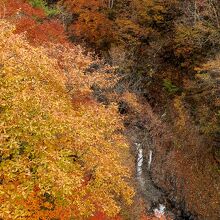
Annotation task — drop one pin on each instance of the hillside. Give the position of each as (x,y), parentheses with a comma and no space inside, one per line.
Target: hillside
(109,109)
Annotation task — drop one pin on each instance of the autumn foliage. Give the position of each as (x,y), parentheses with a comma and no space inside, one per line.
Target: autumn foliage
(33,21)
(62,153)
(59,157)
(90,22)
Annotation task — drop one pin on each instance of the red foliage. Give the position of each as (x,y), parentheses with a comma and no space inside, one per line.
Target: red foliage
(20,7)
(34,22)
(52,31)
(48,31)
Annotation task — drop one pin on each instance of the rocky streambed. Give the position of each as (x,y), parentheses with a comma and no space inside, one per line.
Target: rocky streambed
(158,201)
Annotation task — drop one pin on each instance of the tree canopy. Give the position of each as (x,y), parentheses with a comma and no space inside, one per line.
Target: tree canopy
(59,157)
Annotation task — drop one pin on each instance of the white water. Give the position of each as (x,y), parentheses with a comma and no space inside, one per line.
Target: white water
(144,184)
(140,160)
(150,159)
(159,212)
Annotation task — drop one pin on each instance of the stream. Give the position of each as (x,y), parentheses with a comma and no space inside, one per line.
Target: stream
(150,193)
(157,201)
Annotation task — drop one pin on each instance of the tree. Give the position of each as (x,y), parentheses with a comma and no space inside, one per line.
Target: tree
(62,154)
(91,22)
(197,30)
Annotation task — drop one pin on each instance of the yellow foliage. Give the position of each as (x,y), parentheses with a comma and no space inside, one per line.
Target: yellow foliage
(73,153)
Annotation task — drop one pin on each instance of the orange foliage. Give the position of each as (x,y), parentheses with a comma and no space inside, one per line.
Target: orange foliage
(88,182)
(72,163)
(40,208)
(92,26)
(92,23)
